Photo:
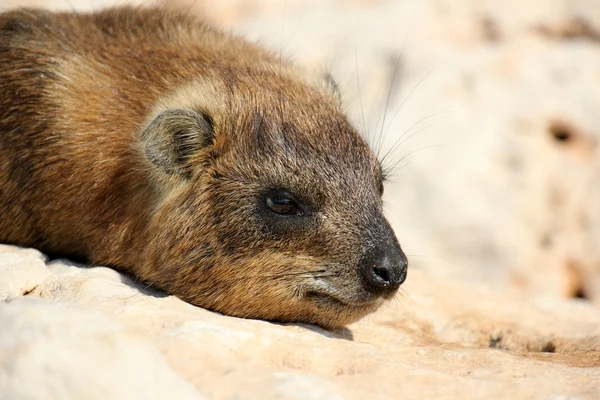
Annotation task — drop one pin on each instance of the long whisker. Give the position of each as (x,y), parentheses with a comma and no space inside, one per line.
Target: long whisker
(362,111)
(280,63)
(307,274)
(191,7)
(390,170)
(402,294)
(388,96)
(72,7)
(391,177)
(399,142)
(139,291)
(407,97)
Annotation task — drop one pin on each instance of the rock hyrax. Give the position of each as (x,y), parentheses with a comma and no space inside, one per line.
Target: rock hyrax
(146,140)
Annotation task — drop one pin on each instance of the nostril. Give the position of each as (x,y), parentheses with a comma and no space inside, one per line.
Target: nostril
(383,274)
(384,270)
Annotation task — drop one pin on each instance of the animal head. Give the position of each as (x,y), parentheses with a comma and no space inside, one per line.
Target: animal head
(272,201)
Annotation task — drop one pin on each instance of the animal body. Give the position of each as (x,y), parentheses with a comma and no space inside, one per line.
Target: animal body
(200,163)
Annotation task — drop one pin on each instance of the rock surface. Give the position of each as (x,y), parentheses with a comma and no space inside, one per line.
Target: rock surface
(495,107)
(86,332)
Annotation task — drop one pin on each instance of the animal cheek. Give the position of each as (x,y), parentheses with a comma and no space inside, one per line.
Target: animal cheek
(263,299)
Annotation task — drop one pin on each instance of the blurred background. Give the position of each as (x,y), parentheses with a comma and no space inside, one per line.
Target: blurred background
(487,112)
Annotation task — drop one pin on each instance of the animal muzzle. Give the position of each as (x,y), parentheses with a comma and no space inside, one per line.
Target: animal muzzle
(383,268)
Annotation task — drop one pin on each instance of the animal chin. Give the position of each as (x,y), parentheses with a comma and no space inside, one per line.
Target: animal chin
(331,300)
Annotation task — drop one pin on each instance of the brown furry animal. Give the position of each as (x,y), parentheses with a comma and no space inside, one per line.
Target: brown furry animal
(146,140)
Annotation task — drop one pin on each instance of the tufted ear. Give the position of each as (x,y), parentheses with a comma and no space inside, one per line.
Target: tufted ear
(332,87)
(173,136)
(323,81)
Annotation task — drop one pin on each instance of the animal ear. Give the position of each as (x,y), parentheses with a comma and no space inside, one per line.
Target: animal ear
(324,82)
(332,87)
(173,137)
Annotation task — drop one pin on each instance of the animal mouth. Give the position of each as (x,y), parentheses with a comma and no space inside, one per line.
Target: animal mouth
(332,300)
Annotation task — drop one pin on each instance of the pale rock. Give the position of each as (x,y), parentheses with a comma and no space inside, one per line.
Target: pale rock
(21,270)
(440,339)
(55,350)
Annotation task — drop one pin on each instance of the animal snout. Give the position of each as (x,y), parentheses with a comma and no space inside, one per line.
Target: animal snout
(384,269)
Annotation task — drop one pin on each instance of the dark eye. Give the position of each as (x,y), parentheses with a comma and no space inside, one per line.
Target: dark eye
(283,203)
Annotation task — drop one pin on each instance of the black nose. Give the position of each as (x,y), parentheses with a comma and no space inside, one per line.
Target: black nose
(384,269)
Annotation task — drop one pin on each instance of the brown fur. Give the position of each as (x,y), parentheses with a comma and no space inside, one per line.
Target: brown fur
(77,92)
